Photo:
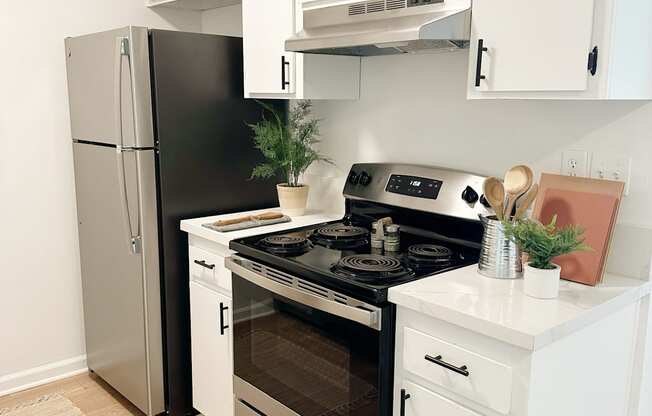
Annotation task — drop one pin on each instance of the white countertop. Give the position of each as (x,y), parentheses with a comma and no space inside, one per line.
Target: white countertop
(194,226)
(499,308)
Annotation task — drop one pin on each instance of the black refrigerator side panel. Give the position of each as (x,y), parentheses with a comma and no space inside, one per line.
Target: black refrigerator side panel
(205,158)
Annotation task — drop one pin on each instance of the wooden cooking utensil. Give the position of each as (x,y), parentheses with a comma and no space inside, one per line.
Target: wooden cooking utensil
(260,217)
(494,192)
(517,182)
(526,201)
(232,221)
(267,216)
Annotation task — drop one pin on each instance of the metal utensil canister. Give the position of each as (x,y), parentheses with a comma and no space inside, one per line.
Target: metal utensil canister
(500,258)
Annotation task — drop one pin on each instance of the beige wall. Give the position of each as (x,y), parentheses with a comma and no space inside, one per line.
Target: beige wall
(40,300)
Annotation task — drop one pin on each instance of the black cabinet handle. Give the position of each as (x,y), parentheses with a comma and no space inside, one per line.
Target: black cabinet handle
(404,397)
(463,370)
(222,310)
(284,82)
(478,68)
(203,263)
(593,61)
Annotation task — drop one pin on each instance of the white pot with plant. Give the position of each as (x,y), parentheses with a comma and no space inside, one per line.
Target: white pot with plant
(542,243)
(288,147)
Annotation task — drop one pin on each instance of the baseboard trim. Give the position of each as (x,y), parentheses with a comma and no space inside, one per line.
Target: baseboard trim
(33,377)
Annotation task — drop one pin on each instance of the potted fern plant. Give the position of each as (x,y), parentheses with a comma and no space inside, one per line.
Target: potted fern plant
(542,243)
(288,147)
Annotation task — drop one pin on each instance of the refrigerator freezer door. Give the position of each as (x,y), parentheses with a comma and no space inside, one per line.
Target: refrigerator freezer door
(206,154)
(120,287)
(109,88)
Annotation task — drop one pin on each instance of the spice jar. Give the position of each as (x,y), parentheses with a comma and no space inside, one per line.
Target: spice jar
(377,235)
(392,238)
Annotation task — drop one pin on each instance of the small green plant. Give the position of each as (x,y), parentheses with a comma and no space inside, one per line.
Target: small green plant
(288,145)
(542,243)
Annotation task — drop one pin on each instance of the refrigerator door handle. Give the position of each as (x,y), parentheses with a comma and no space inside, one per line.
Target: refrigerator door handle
(134,239)
(121,50)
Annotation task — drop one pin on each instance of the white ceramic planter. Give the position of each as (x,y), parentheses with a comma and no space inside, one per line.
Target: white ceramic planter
(540,283)
(292,199)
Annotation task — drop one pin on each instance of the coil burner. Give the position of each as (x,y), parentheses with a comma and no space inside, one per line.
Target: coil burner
(372,268)
(430,255)
(286,245)
(341,237)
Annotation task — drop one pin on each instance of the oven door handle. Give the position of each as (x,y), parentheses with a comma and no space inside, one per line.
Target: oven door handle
(367,315)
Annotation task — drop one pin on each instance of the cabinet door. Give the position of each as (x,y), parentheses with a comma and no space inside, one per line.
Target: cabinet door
(212,362)
(422,402)
(532,45)
(269,69)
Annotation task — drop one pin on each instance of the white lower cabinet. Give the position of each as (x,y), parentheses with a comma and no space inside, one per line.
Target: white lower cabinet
(461,371)
(445,369)
(422,402)
(212,355)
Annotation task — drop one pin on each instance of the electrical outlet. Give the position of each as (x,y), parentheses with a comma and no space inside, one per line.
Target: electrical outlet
(575,163)
(613,167)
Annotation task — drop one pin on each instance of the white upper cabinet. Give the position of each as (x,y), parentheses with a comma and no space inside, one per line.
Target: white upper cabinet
(532,45)
(191,4)
(545,49)
(269,69)
(272,72)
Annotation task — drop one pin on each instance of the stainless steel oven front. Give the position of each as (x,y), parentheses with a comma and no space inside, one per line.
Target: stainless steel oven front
(302,349)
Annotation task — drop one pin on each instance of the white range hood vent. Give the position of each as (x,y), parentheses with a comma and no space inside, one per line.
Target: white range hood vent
(382,27)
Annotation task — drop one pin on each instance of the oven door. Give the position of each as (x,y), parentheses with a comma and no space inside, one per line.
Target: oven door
(300,349)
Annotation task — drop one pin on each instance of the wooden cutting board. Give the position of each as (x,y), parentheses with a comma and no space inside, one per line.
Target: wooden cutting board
(590,203)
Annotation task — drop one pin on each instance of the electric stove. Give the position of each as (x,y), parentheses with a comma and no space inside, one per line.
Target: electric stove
(436,210)
(313,330)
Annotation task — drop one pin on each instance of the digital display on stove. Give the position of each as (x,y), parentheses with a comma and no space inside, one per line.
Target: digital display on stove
(414,186)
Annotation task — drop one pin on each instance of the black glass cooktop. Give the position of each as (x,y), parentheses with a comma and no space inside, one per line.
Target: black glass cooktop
(338,255)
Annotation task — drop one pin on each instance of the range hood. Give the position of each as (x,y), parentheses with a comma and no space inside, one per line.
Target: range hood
(382,27)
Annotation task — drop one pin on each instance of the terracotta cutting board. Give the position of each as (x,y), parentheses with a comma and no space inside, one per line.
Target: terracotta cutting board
(590,203)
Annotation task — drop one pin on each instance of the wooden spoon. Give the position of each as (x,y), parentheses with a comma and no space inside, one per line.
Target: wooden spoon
(517,182)
(526,201)
(494,192)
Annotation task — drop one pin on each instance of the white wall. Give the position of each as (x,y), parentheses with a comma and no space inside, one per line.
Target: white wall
(223,21)
(40,301)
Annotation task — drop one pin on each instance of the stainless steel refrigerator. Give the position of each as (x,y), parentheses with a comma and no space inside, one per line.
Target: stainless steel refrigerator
(159,130)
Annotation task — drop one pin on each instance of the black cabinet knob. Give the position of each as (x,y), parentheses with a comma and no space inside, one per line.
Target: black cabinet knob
(364,178)
(353,178)
(470,195)
(484,201)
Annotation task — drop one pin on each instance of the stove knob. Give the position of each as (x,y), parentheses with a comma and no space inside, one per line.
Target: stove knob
(365,178)
(470,195)
(353,178)
(483,201)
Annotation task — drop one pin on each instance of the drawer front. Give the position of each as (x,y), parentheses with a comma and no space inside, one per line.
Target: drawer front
(463,372)
(422,402)
(209,268)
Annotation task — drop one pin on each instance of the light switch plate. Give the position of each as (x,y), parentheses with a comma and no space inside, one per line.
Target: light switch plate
(575,163)
(612,167)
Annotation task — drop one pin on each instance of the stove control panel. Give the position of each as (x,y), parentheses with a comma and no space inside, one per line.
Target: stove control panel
(422,188)
(414,186)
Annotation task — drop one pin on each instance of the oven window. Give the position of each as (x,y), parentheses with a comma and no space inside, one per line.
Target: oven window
(314,363)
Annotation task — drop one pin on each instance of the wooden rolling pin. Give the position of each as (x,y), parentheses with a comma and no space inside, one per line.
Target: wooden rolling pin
(259,217)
